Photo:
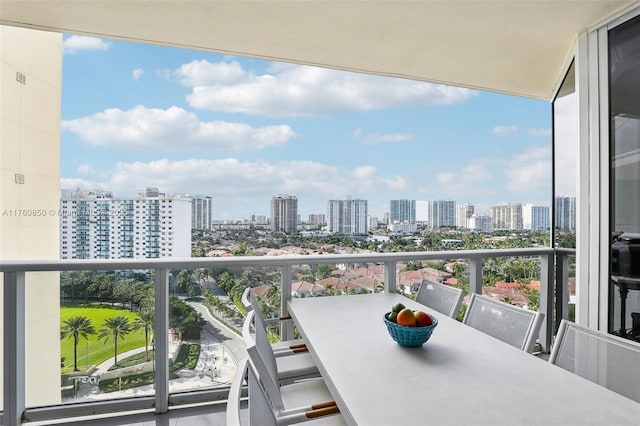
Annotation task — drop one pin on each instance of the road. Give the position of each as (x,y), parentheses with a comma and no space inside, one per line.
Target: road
(216,331)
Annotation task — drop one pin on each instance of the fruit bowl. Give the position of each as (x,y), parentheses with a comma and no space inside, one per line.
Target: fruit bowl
(411,337)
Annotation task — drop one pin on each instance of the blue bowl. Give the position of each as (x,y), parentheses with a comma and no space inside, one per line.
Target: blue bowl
(411,337)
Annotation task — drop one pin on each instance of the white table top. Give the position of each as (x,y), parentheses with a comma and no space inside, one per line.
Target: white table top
(459,377)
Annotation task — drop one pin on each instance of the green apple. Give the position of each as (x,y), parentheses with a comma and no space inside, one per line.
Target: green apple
(397,308)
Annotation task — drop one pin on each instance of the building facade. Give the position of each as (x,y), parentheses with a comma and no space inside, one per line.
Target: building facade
(30,115)
(402,211)
(95,225)
(536,218)
(201,211)
(317,219)
(284,214)
(441,214)
(565,213)
(507,216)
(347,216)
(463,214)
(481,222)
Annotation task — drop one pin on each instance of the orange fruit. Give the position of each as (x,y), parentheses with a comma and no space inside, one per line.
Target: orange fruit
(406,317)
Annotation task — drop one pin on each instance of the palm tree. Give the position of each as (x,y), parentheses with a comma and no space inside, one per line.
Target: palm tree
(76,327)
(112,329)
(145,322)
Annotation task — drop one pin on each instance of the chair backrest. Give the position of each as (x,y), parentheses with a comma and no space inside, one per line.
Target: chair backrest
(442,298)
(259,411)
(255,307)
(608,360)
(262,359)
(245,299)
(511,324)
(233,413)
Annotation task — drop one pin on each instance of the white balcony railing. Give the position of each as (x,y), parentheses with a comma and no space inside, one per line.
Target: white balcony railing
(553,303)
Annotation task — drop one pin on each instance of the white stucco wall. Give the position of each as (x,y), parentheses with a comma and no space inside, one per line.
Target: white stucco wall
(29,225)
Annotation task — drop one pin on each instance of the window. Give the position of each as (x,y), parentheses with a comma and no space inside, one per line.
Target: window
(624,144)
(565,162)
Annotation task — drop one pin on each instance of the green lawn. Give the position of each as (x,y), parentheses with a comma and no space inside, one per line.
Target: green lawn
(94,351)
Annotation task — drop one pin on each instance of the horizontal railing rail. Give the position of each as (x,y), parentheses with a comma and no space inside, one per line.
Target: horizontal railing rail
(552,304)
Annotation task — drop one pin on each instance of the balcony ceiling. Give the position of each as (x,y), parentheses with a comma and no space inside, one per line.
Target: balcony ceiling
(518,47)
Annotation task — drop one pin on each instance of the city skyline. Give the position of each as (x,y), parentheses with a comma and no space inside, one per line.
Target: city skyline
(243,130)
(420,210)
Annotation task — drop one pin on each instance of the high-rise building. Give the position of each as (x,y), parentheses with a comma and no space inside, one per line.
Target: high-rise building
(95,225)
(463,214)
(508,216)
(317,219)
(442,214)
(372,222)
(535,218)
(480,222)
(284,214)
(347,216)
(565,214)
(402,211)
(201,211)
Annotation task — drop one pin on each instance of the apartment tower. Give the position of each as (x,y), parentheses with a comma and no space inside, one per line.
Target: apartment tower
(441,214)
(402,211)
(535,218)
(507,216)
(565,213)
(284,214)
(347,216)
(463,214)
(95,225)
(201,211)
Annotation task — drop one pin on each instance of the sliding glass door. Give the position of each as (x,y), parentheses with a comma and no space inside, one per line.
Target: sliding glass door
(624,110)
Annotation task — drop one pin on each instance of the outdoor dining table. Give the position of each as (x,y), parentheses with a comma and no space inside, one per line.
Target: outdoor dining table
(461,376)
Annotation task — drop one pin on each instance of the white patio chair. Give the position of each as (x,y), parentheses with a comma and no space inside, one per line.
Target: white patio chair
(598,357)
(259,410)
(442,298)
(281,348)
(285,399)
(511,324)
(287,368)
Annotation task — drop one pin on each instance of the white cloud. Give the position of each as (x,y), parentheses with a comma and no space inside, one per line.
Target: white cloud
(251,185)
(540,132)
(172,129)
(378,138)
(504,131)
(203,73)
(76,43)
(530,170)
(85,169)
(296,90)
(137,73)
(491,179)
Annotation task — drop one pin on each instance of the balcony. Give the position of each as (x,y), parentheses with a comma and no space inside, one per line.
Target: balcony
(164,398)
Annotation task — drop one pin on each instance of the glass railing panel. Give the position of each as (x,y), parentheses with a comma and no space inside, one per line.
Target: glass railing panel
(513,280)
(106,335)
(205,323)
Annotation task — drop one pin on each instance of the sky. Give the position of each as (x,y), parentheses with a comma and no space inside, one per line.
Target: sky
(244,130)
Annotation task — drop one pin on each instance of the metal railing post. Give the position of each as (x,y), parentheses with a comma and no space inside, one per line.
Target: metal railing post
(475,276)
(286,328)
(562,288)
(14,348)
(161,340)
(390,284)
(546,301)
